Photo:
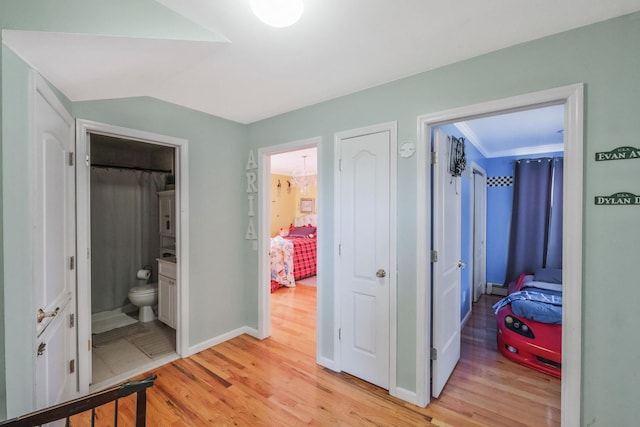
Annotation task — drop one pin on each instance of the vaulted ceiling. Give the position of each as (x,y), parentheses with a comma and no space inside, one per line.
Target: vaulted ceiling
(338,47)
(231,65)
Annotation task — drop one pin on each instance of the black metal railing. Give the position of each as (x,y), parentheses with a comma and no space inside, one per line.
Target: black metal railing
(65,411)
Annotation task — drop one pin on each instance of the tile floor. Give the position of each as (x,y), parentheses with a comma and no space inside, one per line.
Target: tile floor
(119,358)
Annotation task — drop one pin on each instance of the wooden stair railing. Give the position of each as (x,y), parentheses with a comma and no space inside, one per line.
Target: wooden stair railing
(91,402)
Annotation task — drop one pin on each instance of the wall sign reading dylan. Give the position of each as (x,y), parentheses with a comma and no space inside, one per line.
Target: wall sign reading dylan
(618,199)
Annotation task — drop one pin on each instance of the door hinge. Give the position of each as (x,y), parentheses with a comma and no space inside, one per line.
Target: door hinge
(434,157)
(41,348)
(434,256)
(72,263)
(339,333)
(72,320)
(434,354)
(72,366)
(339,249)
(71,156)
(88,345)
(87,160)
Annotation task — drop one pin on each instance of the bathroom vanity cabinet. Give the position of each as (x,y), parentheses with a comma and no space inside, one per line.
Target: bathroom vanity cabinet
(167,293)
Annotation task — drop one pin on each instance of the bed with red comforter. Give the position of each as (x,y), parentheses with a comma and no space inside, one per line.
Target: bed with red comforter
(293,257)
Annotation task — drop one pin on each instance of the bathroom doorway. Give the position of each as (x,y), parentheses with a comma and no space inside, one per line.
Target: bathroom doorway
(126,179)
(129,198)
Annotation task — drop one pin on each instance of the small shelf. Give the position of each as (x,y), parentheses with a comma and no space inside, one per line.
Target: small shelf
(167,278)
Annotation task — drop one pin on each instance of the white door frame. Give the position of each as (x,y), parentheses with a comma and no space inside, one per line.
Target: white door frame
(475,168)
(390,127)
(264,235)
(83,129)
(572,97)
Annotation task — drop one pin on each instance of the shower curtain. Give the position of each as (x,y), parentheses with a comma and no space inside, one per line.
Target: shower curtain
(124,232)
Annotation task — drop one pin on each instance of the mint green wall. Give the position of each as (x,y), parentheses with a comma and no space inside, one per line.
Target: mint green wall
(16,249)
(132,18)
(16,193)
(216,171)
(605,57)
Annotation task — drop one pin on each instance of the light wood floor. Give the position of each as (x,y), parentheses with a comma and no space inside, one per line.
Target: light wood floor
(276,382)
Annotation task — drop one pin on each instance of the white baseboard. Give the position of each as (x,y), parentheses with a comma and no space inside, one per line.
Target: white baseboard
(327,363)
(220,339)
(252,332)
(406,395)
(496,289)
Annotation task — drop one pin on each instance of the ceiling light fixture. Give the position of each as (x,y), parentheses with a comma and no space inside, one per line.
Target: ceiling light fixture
(302,179)
(278,13)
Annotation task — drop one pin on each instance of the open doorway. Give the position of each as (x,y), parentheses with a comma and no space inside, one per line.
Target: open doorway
(133,234)
(130,286)
(571,97)
(493,145)
(293,218)
(288,227)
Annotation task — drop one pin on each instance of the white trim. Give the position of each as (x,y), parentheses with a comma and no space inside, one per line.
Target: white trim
(219,340)
(406,395)
(573,188)
(522,151)
(423,266)
(264,237)
(480,170)
(83,129)
(328,363)
(573,99)
(527,151)
(392,128)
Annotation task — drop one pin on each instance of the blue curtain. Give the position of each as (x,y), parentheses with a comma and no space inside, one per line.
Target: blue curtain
(535,239)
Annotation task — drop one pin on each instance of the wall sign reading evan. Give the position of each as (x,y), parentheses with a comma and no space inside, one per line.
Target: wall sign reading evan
(620,153)
(618,199)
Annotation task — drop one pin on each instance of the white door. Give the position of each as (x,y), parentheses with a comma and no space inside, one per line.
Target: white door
(479,234)
(365,256)
(54,249)
(446,270)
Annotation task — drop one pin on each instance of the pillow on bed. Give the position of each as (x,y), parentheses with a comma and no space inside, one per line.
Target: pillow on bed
(543,285)
(302,232)
(550,275)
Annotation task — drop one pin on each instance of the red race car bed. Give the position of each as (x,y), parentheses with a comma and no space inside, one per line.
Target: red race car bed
(529,321)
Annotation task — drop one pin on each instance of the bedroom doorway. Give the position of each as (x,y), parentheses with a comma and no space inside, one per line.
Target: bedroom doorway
(288,221)
(571,97)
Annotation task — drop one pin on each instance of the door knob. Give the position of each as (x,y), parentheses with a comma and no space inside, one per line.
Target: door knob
(42,315)
(381,273)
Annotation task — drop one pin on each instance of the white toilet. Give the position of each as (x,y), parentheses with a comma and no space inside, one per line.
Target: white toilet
(144,297)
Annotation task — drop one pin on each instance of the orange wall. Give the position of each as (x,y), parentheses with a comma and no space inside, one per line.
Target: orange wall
(283,201)
(285,204)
